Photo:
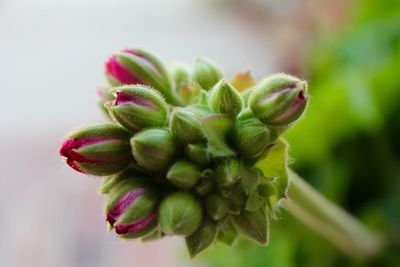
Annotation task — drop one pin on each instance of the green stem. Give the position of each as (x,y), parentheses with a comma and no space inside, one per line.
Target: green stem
(330,221)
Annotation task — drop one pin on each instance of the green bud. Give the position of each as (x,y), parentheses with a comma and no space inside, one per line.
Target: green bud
(202,238)
(153,149)
(216,206)
(137,107)
(253,225)
(227,173)
(198,154)
(186,91)
(206,74)
(185,126)
(251,136)
(216,128)
(225,99)
(279,99)
(184,174)
(180,214)
(206,183)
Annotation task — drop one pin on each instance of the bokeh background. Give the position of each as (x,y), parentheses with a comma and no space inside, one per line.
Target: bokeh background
(52,54)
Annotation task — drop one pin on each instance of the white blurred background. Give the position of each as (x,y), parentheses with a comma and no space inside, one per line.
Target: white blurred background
(52,54)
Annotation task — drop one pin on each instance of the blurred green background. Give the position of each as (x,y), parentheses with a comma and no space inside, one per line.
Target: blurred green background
(348,144)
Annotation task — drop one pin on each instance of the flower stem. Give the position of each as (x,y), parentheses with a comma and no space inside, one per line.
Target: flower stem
(330,221)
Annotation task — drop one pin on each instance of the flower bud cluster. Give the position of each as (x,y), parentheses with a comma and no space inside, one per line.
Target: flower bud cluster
(179,156)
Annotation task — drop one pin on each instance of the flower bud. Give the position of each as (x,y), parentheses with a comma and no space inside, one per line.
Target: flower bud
(180,214)
(227,173)
(206,183)
(216,206)
(131,209)
(184,174)
(279,99)
(216,128)
(100,149)
(153,149)
(250,135)
(198,154)
(185,126)
(225,99)
(206,74)
(137,107)
(136,66)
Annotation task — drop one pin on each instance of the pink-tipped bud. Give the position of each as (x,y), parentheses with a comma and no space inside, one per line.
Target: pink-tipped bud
(98,150)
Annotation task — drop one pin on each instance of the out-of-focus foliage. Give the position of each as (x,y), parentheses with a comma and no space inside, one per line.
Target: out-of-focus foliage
(348,144)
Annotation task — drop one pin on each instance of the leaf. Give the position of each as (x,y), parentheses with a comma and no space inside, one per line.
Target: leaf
(275,166)
(252,225)
(202,238)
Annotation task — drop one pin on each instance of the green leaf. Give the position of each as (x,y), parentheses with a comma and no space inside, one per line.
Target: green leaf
(275,166)
(227,234)
(252,225)
(202,238)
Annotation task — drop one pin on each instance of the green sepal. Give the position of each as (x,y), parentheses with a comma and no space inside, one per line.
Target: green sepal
(101,130)
(223,98)
(108,150)
(103,168)
(216,206)
(275,166)
(154,235)
(184,174)
(204,237)
(252,225)
(141,233)
(206,74)
(180,214)
(227,234)
(153,149)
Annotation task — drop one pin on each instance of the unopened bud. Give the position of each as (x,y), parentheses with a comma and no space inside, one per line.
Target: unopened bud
(180,214)
(225,99)
(100,149)
(137,107)
(198,154)
(153,149)
(131,209)
(136,66)
(251,136)
(185,126)
(206,74)
(227,173)
(184,174)
(279,99)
